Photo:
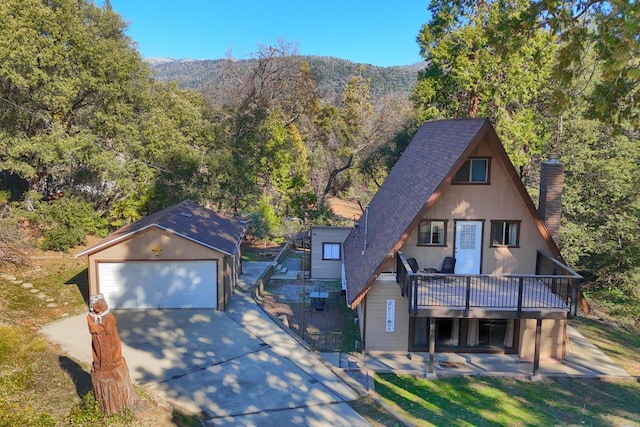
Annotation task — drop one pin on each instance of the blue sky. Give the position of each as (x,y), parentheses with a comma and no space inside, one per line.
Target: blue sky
(375,32)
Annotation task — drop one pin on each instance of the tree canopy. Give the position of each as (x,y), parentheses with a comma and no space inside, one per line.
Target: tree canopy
(81,115)
(473,70)
(82,119)
(556,78)
(610,29)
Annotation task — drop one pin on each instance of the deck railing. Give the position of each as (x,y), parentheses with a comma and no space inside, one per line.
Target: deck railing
(553,287)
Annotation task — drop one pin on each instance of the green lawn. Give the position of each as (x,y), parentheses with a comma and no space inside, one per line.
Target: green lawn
(493,401)
(501,401)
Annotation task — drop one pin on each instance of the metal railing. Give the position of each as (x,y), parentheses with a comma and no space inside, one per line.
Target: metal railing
(554,286)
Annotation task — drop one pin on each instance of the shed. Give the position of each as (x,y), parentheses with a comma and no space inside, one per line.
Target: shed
(326,251)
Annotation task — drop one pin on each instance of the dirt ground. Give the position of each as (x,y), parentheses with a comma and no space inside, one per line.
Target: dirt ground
(347,209)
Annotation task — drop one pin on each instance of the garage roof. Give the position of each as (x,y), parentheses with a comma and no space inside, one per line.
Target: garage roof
(188,220)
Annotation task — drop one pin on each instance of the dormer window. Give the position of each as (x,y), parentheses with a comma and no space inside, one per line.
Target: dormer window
(473,171)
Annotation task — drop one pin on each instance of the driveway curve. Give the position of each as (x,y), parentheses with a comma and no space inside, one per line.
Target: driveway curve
(237,367)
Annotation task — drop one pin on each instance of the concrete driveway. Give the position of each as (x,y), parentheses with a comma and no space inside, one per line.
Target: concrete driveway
(233,368)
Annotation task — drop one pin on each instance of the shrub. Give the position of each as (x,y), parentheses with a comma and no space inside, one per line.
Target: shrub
(263,221)
(128,210)
(13,247)
(66,222)
(619,296)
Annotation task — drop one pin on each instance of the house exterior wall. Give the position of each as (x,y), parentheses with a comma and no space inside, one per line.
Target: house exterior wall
(499,200)
(553,339)
(376,337)
(232,270)
(140,247)
(326,268)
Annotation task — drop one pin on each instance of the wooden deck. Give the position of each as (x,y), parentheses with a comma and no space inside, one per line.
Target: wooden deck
(487,292)
(551,293)
(486,296)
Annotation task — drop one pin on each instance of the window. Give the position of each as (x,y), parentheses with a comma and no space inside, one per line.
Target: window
(505,233)
(473,171)
(331,251)
(432,232)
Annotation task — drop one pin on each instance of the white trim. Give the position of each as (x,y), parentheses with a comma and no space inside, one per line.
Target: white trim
(128,235)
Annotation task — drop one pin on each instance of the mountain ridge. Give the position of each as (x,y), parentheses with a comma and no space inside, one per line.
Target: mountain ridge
(329,73)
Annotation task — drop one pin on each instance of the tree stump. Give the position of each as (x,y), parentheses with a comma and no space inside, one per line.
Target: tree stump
(110,378)
(113,389)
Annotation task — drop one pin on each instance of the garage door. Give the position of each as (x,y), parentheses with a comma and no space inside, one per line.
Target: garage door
(143,284)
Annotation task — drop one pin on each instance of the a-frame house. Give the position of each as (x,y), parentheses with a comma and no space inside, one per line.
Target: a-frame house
(451,255)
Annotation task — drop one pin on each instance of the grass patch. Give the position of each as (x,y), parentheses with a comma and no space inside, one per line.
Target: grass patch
(494,401)
(261,251)
(34,390)
(88,413)
(618,342)
(497,401)
(53,286)
(374,413)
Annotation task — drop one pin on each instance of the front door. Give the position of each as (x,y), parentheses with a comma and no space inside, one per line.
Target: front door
(468,248)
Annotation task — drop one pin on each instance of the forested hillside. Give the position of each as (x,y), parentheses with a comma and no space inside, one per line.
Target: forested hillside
(330,75)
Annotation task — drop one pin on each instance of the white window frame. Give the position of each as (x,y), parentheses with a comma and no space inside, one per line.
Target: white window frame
(331,251)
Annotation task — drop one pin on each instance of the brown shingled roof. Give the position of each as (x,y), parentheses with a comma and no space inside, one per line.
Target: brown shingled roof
(188,220)
(435,153)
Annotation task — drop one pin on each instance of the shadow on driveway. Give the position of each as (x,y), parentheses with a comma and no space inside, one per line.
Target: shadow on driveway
(232,368)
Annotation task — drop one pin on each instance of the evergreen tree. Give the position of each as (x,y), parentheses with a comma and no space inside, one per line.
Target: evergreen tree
(609,30)
(473,70)
(80,113)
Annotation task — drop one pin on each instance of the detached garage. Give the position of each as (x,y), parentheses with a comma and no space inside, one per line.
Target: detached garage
(184,256)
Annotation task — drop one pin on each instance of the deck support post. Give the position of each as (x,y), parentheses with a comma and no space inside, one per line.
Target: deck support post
(520,294)
(536,353)
(432,344)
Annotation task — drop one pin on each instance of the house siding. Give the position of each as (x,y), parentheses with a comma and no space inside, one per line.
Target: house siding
(321,268)
(552,343)
(139,247)
(497,201)
(376,337)
(361,319)
(420,187)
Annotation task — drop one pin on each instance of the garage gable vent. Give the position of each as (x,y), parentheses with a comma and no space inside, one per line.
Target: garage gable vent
(186,214)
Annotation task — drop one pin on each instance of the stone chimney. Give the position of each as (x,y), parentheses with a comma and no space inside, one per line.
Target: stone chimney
(550,204)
